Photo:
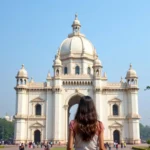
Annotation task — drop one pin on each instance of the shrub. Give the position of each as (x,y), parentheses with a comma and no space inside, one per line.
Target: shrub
(139,148)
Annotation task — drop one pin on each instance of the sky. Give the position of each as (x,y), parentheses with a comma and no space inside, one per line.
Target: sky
(32,31)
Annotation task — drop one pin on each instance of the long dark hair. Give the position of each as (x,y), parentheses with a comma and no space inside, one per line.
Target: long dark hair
(86,118)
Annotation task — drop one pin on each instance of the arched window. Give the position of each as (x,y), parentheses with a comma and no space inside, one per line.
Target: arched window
(77,70)
(57,72)
(115,110)
(65,70)
(97,72)
(25,81)
(21,81)
(89,70)
(38,109)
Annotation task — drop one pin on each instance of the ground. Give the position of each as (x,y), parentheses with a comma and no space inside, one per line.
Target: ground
(64,148)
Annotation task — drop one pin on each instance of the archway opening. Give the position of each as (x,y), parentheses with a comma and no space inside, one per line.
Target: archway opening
(73,105)
(116,136)
(37,136)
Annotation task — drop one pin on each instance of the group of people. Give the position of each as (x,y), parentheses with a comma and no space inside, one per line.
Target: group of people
(33,145)
(123,145)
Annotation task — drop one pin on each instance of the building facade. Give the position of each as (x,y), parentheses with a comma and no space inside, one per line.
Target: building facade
(42,109)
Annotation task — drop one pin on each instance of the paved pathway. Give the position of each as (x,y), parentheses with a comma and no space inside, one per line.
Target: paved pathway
(16,148)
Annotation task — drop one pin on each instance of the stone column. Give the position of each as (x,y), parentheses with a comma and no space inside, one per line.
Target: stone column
(98,103)
(57,127)
(66,122)
(49,106)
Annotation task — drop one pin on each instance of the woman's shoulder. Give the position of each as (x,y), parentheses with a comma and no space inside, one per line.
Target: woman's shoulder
(72,124)
(100,125)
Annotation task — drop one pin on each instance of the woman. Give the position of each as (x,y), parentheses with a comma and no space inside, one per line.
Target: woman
(85,131)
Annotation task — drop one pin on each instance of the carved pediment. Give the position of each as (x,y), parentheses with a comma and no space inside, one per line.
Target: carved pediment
(38,99)
(114,100)
(36,125)
(116,125)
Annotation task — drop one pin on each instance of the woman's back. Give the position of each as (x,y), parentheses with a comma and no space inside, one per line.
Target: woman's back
(79,144)
(85,132)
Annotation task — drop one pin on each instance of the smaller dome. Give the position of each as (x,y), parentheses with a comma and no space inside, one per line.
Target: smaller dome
(6,117)
(31,81)
(131,73)
(22,73)
(57,60)
(97,62)
(48,75)
(76,22)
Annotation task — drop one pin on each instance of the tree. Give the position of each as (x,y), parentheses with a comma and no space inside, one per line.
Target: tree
(148,142)
(6,129)
(147,88)
(144,132)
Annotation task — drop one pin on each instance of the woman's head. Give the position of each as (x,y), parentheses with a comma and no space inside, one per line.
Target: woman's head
(86,118)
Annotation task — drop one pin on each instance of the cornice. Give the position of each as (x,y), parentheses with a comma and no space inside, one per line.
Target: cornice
(133,116)
(116,117)
(26,117)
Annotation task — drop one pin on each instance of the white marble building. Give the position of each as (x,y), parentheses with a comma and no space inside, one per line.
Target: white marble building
(42,109)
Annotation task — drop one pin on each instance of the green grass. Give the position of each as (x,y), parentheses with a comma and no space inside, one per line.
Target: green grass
(140,148)
(1,146)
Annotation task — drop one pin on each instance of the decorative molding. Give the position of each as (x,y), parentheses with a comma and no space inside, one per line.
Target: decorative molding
(114,101)
(117,117)
(32,117)
(38,99)
(37,125)
(75,82)
(115,125)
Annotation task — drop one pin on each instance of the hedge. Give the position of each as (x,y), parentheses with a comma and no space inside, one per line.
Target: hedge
(140,148)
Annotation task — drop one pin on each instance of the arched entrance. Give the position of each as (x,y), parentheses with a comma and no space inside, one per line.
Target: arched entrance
(116,135)
(73,101)
(37,136)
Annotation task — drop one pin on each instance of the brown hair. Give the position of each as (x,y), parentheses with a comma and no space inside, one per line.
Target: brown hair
(86,118)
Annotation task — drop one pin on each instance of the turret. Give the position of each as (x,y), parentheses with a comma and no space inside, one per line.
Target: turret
(131,78)
(132,103)
(97,67)
(49,79)
(22,76)
(57,65)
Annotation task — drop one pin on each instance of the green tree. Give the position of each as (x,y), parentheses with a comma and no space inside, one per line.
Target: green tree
(144,132)
(6,129)
(148,142)
(147,88)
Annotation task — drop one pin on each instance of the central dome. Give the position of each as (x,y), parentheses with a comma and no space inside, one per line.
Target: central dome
(76,43)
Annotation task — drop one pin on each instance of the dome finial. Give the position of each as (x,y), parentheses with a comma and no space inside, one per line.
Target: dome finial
(121,80)
(58,53)
(48,75)
(130,66)
(22,66)
(76,25)
(76,16)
